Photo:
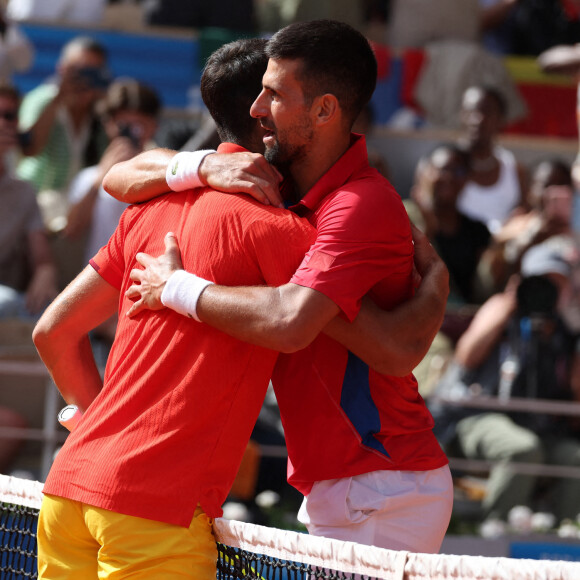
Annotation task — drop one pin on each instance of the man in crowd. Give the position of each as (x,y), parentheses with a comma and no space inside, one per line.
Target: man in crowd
(61,134)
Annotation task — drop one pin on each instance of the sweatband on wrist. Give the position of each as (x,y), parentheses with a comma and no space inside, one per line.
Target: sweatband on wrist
(181,173)
(182,291)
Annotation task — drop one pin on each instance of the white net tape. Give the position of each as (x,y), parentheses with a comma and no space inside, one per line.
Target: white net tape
(347,556)
(386,564)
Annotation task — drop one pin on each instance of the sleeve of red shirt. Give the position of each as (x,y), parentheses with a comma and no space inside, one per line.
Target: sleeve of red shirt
(364,242)
(279,243)
(109,261)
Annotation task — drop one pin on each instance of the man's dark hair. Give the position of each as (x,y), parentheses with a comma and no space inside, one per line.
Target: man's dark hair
(230,83)
(336,59)
(557,165)
(130,95)
(460,154)
(495,95)
(84,43)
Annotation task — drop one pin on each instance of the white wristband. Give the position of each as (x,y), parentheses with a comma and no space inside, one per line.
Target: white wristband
(69,417)
(181,173)
(182,291)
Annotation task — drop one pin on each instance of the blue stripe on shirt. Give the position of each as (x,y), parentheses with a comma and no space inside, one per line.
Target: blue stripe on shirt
(356,401)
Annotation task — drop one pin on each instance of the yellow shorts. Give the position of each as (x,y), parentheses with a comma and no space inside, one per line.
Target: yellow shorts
(81,542)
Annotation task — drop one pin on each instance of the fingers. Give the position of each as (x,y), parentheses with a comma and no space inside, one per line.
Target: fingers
(143,259)
(246,173)
(418,236)
(172,251)
(133,292)
(265,185)
(272,195)
(136,275)
(171,245)
(262,191)
(135,309)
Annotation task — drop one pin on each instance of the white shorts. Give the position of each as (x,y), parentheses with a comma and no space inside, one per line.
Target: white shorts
(397,510)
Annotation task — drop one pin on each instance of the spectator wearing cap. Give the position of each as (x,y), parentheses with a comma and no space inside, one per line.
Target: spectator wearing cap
(518,346)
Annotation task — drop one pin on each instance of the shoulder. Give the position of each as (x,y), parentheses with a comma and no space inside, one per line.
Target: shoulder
(267,219)
(370,198)
(40,95)
(506,156)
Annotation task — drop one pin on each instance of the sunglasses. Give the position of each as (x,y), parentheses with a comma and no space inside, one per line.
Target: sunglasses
(9,115)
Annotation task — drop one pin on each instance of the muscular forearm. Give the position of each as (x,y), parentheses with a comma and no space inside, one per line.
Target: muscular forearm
(141,178)
(394,342)
(72,367)
(61,336)
(40,131)
(486,329)
(287,318)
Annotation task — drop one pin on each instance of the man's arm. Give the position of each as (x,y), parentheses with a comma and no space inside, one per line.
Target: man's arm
(394,342)
(141,178)
(145,176)
(284,318)
(61,336)
(487,327)
(289,317)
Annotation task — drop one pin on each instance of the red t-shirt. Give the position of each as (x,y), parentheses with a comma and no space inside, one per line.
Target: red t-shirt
(180,398)
(340,417)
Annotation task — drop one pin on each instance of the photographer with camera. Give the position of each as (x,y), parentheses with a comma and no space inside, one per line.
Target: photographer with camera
(518,345)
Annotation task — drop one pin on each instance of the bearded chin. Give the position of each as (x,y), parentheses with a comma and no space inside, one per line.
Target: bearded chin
(279,156)
(272,154)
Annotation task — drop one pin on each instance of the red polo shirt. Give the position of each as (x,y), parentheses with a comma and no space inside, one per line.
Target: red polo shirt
(180,398)
(341,418)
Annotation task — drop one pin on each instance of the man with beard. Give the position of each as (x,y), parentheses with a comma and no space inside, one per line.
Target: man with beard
(360,443)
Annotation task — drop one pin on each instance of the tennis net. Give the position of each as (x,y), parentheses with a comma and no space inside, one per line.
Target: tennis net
(247,551)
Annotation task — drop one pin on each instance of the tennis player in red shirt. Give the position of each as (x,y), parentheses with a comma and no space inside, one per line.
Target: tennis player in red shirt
(133,490)
(360,442)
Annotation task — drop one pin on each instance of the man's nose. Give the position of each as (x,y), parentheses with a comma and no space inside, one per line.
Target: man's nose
(258,108)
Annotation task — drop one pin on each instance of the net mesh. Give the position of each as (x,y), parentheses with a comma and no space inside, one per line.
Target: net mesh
(247,551)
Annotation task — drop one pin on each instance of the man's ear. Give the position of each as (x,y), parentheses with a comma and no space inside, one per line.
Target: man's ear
(326,109)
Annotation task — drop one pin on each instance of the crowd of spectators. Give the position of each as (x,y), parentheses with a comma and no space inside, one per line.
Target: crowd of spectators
(502,228)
